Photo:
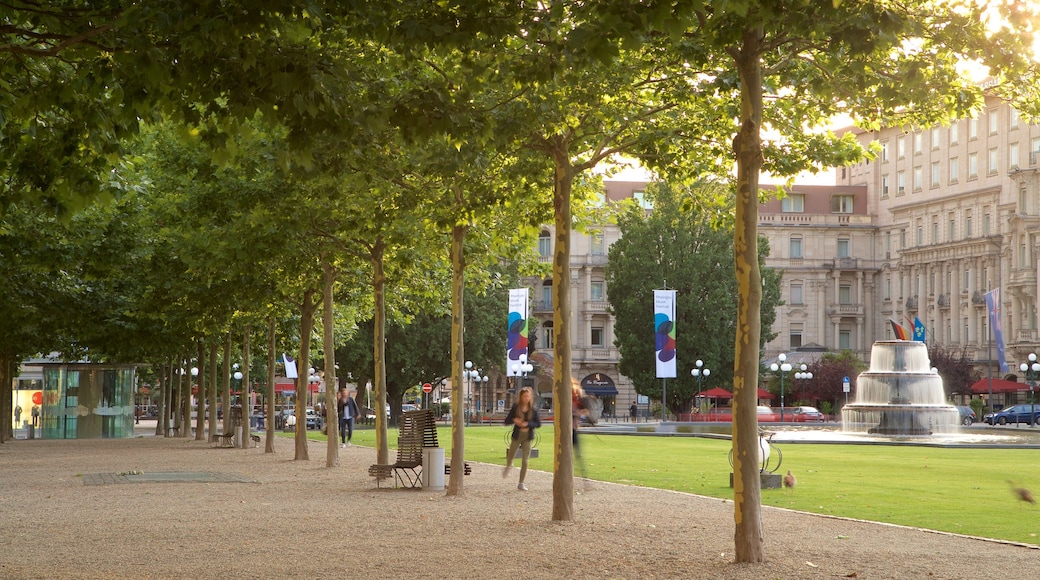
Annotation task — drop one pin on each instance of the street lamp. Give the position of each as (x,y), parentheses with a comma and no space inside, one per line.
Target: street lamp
(783,367)
(470,375)
(1032,371)
(805,375)
(700,374)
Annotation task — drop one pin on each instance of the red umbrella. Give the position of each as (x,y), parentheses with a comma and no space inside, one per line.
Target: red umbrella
(717,393)
(764,394)
(981,386)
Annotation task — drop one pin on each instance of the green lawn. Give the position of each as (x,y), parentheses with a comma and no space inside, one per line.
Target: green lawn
(960,490)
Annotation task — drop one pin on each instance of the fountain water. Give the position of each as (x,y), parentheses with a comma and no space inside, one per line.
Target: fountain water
(899,394)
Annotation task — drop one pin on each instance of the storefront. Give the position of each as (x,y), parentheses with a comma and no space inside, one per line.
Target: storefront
(87,401)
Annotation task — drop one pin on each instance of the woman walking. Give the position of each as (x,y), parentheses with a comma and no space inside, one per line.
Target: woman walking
(524,419)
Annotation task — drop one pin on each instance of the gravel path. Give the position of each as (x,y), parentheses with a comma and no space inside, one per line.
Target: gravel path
(93,509)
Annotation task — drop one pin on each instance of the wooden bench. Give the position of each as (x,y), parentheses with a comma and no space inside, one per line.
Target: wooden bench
(226,439)
(418,430)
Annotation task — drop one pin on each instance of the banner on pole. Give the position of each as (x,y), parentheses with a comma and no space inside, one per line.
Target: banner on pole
(516,343)
(993,305)
(664,333)
(290,367)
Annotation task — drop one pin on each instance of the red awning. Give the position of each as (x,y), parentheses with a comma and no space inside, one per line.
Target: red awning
(764,394)
(981,386)
(717,393)
(289,386)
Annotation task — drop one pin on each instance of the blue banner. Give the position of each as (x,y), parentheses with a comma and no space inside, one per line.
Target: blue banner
(993,305)
(918,330)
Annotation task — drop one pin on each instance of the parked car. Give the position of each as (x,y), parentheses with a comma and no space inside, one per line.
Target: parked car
(314,420)
(1028,414)
(409,407)
(967,414)
(767,415)
(806,415)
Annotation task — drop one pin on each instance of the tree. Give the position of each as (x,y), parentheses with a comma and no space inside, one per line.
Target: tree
(829,372)
(678,243)
(955,367)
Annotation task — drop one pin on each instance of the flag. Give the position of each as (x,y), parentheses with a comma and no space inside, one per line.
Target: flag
(290,367)
(900,332)
(919,331)
(993,305)
(516,334)
(664,333)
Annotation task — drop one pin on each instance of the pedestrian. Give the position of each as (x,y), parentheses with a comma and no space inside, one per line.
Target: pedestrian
(578,411)
(524,419)
(17,415)
(633,412)
(36,415)
(348,410)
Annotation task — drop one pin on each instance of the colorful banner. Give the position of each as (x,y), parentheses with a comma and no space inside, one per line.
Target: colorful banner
(993,305)
(516,343)
(664,333)
(900,332)
(919,330)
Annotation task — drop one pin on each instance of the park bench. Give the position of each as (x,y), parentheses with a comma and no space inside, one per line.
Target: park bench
(418,430)
(226,439)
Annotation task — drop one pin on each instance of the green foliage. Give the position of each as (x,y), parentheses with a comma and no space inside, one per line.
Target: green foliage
(828,372)
(676,244)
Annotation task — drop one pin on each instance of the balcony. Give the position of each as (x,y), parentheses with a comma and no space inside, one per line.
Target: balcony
(911,303)
(978,299)
(944,300)
(845,310)
(844,264)
(542,306)
(595,306)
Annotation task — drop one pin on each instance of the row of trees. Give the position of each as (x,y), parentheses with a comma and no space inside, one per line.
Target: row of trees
(321,158)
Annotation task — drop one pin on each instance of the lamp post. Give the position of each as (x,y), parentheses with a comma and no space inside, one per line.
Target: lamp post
(783,367)
(804,375)
(470,375)
(1032,371)
(699,373)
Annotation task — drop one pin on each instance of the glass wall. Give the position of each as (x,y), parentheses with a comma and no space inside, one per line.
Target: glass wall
(86,401)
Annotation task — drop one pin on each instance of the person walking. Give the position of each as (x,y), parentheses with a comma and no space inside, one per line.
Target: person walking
(348,410)
(578,411)
(524,419)
(633,412)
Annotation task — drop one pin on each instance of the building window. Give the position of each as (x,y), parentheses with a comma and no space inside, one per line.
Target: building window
(844,340)
(985,224)
(596,291)
(920,236)
(994,122)
(796,247)
(900,147)
(841,203)
(935,174)
(1034,150)
(935,232)
(844,294)
(796,293)
(1013,117)
(596,242)
(640,197)
(967,226)
(918,143)
(843,248)
(884,151)
(796,335)
(918,178)
(1022,201)
(953,133)
(546,302)
(935,138)
(954,169)
(973,165)
(900,183)
(973,128)
(950,229)
(597,336)
(888,288)
(547,334)
(1013,156)
(544,244)
(793,203)
(992,161)
(884,187)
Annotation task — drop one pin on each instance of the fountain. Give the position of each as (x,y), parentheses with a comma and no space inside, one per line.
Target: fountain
(899,395)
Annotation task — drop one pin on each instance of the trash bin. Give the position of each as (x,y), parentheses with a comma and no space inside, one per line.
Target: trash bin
(433,468)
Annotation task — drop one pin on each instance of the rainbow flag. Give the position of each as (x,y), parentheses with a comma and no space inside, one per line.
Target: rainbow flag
(900,332)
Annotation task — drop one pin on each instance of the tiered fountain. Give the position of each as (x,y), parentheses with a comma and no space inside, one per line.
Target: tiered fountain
(899,395)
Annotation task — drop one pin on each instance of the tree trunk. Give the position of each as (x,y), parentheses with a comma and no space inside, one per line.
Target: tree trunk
(213,430)
(563,451)
(225,395)
(6,395)
(244,397)
(458,419)
(162,426)
(747,496)
(379,350)
(200,405)
(272,355)
(185,401)
(303,377)
(328,319)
